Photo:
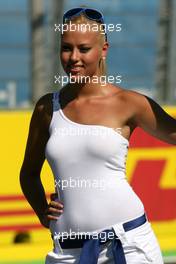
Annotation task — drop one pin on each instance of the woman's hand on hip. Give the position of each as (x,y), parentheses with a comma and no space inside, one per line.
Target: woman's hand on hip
(53,211)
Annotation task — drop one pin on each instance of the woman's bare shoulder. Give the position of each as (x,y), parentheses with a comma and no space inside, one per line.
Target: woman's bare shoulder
(44,102)
(42,113)
(127,95)
(133,102)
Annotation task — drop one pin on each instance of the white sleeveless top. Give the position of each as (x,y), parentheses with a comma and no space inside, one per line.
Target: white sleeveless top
(88,164)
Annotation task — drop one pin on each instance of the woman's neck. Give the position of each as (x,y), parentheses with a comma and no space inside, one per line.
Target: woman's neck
(86,90)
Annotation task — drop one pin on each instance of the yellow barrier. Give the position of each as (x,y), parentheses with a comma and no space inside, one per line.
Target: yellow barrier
(14,130)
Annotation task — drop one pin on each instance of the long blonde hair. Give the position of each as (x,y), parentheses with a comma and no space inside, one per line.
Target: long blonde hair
(82,19)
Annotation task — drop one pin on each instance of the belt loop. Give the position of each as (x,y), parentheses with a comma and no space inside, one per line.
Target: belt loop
(120,232)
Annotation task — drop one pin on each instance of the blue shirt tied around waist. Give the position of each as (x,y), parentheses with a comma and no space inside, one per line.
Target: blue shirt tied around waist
(91,247)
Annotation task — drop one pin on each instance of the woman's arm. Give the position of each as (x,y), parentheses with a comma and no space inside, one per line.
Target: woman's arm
(33,160)
(153,119)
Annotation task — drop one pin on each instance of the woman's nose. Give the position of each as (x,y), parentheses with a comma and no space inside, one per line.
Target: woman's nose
(74,56)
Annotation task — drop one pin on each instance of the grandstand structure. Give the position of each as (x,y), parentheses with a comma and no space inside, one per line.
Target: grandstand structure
(29,55)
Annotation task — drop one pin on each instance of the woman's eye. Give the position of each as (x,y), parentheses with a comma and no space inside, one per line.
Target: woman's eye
(65,48)
(84,49)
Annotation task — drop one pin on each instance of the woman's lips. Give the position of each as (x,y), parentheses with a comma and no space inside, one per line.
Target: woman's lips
(75,69)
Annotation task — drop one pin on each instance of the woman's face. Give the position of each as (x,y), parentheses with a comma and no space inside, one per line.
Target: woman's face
(81,52)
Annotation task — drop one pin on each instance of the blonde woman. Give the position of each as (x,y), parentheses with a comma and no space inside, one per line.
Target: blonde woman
(83,131)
